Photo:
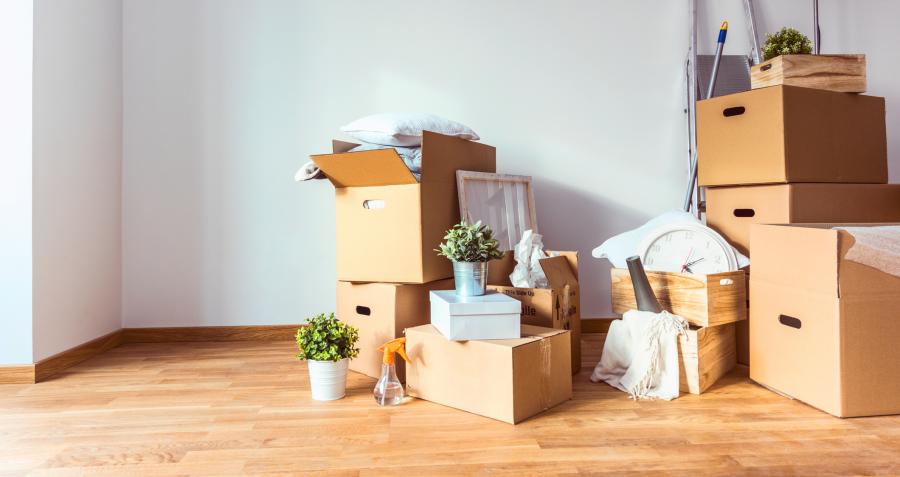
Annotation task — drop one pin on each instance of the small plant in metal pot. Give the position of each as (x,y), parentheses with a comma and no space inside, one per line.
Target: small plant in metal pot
(470,248)
(787,41)
(328,345)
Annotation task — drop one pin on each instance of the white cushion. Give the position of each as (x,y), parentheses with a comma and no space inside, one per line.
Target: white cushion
(404,129)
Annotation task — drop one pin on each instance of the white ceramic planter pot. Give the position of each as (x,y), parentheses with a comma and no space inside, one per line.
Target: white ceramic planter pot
(328,379)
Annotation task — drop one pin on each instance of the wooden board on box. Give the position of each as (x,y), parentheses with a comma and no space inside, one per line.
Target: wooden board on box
(706,354)
(702,300)
(843,73)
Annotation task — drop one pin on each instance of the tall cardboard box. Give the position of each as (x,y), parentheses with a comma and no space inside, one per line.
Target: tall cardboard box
(786,134)
(823,329)
(388,224)
(556,307)
(381,311)
(507,380)
(731,210)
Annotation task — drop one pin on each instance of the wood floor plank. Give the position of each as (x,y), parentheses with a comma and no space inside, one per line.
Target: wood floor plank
(243,407)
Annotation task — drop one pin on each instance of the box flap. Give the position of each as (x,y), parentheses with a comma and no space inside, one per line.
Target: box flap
(798,256)
(338,146)
(558,272)
(378,167)
(860,280)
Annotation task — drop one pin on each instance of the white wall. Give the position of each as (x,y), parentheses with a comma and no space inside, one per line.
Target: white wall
(77,172)
(224,99)
(15,182)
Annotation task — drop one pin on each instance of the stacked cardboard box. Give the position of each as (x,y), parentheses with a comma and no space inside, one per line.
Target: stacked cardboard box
(787,154)
(388,224)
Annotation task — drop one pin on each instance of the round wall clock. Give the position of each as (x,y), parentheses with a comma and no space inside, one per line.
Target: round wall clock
(687,248)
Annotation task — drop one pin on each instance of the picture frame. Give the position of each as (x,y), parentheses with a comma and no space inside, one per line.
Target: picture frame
(503,202)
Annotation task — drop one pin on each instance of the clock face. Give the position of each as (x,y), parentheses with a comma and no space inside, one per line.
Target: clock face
(688,250)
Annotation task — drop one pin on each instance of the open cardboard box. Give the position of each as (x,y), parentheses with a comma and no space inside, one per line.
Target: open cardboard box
(556,307)
(785,134)
(823,329)
(388,224)
(731,210)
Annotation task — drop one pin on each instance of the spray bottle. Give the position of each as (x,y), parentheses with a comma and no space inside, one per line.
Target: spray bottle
(388,390)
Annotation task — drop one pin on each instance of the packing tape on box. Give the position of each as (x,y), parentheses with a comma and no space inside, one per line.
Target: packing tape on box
(565,303)
(545,373)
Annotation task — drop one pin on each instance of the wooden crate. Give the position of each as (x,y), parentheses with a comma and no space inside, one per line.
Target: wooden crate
(706,354)
(702,300)
(843,73)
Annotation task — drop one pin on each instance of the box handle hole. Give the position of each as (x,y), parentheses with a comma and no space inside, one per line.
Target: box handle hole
(373,204)
(790,321)
(744,212)
(363,310)
(735,111)
(765,67)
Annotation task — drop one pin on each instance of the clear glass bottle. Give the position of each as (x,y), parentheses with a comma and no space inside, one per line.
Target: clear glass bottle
(388,390)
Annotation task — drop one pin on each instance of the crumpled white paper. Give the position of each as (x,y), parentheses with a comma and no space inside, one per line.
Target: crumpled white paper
(528,253)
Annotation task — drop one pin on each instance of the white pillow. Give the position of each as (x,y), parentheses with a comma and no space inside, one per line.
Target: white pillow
(404,129)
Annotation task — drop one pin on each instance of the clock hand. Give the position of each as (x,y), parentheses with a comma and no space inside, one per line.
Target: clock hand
(695,262)
(685,264)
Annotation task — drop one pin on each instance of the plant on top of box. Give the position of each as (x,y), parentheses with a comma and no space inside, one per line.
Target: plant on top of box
(470,248)
(327,344)
(787,41)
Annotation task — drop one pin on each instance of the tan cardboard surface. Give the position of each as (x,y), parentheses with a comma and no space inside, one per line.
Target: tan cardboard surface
(823,329)
(507,380)
(558,307)
(387,224)
(381,311)
(731,210)
(790,134)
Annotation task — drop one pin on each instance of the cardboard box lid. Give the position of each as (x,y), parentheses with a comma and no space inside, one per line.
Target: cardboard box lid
(377,167)
(488,304)
(530,334)
(559,273)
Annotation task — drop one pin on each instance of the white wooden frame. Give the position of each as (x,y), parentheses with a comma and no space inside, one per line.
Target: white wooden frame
(516,203)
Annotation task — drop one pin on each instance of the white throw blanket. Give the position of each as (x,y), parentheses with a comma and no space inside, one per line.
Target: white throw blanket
(640,355)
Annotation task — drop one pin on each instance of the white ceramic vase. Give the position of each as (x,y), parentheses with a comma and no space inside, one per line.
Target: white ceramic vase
(328,379)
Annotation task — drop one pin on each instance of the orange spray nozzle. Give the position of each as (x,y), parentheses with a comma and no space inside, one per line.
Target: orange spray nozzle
(394,346)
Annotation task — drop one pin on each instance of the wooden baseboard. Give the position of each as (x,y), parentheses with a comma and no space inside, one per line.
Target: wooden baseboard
(596,325)
(17,374)
(47,367)
(211,333)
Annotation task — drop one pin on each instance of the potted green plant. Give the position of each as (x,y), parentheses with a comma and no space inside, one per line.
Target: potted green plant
(470,248)
(787,41)
(327,344)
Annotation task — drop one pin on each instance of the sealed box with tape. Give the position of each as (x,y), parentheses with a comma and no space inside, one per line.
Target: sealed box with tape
(507,380)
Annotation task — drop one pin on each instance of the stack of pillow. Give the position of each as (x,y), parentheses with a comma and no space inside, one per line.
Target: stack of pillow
(400,131)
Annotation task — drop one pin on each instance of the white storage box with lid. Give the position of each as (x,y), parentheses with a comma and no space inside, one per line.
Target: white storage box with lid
(492,316)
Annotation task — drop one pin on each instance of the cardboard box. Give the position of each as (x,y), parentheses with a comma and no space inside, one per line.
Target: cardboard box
(843,73)
(388,224)
(702,300)
(381,311)
(556,307)
(731,210)
(788,134)
(507,380)
(823,329)
(492,316)
(706,354)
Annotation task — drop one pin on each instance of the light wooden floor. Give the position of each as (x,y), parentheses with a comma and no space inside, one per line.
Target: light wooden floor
(244,408)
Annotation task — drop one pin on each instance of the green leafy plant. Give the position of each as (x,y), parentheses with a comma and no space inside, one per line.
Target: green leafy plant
(787,41)
(470,243)
(325,338)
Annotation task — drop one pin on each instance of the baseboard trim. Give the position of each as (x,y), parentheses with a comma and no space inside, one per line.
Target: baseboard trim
(17,374)
(48,367)
(211,333)
(596,325)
